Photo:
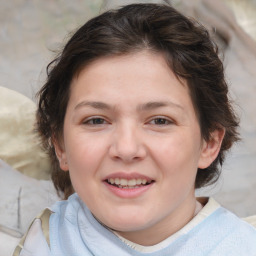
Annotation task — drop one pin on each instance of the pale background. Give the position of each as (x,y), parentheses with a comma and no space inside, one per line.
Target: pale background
(31,31)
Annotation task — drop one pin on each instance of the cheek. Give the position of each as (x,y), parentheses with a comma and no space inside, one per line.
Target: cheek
(178,167)
(84,158)
(86,155)
(178,156)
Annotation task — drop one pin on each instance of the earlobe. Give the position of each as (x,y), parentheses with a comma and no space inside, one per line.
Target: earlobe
(210,149)
(61,155)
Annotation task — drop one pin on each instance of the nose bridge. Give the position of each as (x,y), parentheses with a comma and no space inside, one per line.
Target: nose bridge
(127,142)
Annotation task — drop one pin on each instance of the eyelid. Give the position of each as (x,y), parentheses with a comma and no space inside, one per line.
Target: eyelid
(168,119)
(86,121)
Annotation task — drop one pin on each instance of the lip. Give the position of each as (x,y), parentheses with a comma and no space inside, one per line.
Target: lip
(128,192)
(128,176)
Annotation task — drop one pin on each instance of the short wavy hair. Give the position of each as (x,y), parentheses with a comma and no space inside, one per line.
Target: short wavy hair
(188,50)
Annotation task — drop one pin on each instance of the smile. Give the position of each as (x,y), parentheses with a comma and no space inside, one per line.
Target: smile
(128,183)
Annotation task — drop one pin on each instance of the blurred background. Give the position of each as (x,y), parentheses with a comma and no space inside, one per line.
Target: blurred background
(32,32)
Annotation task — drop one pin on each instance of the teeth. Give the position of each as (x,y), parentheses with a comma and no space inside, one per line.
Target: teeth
(127,187)
(131,182)
(123,182)
(127,183)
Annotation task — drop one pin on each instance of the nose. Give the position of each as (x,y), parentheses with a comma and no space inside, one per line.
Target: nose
(127,144)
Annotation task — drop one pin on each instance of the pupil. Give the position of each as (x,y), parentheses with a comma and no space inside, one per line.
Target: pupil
(160,121)
(98,121)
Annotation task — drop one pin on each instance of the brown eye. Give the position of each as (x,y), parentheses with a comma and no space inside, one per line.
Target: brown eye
(95,121)
(160,121)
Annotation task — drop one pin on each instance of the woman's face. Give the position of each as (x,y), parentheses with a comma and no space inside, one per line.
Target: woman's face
(132,144)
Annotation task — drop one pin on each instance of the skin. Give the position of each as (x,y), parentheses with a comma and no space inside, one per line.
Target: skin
(130,115)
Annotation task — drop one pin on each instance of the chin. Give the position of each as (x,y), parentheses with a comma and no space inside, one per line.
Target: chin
(127,223)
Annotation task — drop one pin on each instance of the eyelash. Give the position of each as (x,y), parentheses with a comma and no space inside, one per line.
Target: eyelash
(95,121)
(92,121)
(161,119)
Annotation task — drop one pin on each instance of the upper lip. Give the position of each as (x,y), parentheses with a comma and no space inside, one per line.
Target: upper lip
(128,176)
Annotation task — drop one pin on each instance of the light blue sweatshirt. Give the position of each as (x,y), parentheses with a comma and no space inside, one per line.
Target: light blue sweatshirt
(75,232)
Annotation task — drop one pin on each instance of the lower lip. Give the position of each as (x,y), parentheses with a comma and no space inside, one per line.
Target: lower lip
(128,192)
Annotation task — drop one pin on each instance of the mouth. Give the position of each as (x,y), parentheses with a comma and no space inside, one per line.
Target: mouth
(129,183)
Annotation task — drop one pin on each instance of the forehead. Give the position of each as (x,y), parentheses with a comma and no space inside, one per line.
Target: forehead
(125,77)
(124,64)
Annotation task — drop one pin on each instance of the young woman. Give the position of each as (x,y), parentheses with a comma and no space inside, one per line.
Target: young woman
(135,115)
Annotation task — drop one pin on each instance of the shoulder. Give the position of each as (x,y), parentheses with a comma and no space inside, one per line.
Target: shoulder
(222,232)
(230,218)
(226,217)
(251,220)
(36,240)
(230,230)
(223,216)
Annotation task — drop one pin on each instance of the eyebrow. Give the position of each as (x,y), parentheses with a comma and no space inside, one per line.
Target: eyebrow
(93,104)
(143,107)
(158,104)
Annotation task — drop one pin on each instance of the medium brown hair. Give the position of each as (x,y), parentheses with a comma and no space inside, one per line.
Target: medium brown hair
(188,50)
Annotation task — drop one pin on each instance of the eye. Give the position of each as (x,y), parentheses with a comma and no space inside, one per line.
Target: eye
(160,121)
(95,121)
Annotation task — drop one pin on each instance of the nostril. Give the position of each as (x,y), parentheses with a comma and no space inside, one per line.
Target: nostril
(127,144)
(127,154)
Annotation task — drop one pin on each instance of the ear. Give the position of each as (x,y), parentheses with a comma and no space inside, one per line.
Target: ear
(210,149)
(61,155)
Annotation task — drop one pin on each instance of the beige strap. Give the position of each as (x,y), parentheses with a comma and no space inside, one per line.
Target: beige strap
(251,220)
(44,217)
